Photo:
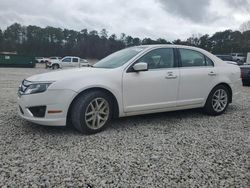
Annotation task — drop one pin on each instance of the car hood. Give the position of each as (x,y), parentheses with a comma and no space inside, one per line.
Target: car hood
(61,75)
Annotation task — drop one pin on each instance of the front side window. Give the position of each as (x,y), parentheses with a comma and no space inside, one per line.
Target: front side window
(159,58)
(66,60)
(190,58)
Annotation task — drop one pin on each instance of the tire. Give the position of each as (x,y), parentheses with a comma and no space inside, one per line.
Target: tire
(89,118)
(56,66)
(210,107)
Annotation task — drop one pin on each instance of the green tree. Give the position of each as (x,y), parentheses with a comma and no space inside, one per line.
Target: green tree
(104,34)
(162,41)
(204,42)
(13,36)
(51,41)
(1,39)
(128,41)
(136,41)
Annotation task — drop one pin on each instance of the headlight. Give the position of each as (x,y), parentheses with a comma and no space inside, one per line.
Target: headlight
(36,88)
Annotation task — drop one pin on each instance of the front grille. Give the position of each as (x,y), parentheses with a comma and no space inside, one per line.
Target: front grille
(22,88)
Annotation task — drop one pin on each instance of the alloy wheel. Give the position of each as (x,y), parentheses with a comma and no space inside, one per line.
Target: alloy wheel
(97,113)
(220,100)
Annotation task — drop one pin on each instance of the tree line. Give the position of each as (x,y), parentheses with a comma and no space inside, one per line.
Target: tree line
(51,41)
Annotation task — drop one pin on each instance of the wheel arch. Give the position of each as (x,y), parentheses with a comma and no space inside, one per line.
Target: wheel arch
(229,89)
(114,100)
(55,64)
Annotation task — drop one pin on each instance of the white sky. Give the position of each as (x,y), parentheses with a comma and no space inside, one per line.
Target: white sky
(168,19)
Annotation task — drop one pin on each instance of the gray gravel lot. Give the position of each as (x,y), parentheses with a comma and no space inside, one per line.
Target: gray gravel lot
(177,149)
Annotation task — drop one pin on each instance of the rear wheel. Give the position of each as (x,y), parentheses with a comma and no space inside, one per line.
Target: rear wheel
(217,101)
(91,112)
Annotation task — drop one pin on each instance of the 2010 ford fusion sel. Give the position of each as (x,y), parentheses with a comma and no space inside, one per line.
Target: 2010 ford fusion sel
(133,81)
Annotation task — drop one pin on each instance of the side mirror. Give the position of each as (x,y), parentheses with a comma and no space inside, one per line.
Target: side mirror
(140,67)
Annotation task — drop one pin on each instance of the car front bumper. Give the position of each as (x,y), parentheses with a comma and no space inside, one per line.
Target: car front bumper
(57,103)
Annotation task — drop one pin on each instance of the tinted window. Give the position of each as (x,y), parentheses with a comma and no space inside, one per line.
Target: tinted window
(159,58)
(209,62)
(67,60)
(75,60)
(190,58)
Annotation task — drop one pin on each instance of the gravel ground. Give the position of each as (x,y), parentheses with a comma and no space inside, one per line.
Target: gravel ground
(177,149)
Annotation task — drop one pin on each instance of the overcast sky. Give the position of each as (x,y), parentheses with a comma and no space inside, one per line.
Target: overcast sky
(169,19)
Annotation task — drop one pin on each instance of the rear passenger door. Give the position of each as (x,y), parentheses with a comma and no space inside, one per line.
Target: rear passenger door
(197,77)
(75,62)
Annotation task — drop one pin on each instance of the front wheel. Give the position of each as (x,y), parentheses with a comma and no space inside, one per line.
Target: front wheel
(91,112)
(217,101)
(56,66)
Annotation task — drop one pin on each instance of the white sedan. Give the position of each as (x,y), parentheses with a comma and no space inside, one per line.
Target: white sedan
(133,81)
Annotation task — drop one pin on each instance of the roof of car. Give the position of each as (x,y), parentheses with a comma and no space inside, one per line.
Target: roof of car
(169,46)
(173,46)
(71,57)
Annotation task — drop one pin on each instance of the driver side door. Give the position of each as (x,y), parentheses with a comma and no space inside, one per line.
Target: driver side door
(154,89)
(66,62)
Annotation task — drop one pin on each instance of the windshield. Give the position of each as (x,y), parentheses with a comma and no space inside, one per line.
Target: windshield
(119,58)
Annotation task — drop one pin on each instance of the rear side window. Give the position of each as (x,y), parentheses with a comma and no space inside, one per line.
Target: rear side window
(209,62)
(191,58)
(75,60)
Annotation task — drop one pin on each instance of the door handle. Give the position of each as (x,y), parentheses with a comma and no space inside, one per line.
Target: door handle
(171,75)
(212,73)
